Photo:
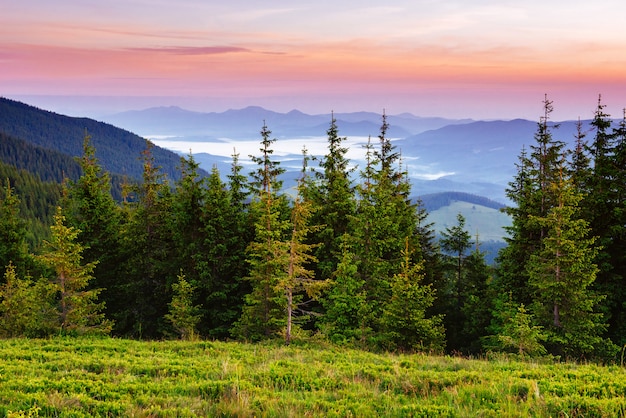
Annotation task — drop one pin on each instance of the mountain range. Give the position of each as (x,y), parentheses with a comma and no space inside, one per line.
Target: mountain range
(465,164)
(441,155)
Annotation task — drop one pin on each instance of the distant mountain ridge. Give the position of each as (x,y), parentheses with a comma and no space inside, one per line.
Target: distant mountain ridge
(247,122)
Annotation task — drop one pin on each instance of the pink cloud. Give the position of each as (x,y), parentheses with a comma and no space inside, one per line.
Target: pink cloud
(191,50)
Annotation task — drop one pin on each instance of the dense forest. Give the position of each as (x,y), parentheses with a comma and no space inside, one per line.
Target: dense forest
(352,261)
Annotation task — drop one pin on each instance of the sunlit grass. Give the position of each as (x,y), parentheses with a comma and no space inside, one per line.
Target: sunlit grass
(113,377)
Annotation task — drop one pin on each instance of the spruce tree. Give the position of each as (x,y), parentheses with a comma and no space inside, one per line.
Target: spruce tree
(183,314)
(26,307)
(13,247)
(300,280)
(262,315)
(78,309)
(407,325)
(345,320)
(561,274)
(464,297)
(222,263)
(148,245)
(333,196)
(601,207)
(89,208)
(531,196)
(384,218)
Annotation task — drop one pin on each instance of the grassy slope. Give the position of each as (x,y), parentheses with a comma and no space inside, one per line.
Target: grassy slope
(111,377)
(487,222)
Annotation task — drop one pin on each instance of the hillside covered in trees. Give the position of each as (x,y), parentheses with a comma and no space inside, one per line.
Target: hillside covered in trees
(118,149)
(356,262)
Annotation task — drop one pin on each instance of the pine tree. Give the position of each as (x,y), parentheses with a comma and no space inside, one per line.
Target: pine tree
(616,294)
(262,315)
(300,279)
(478,301)
(188,221)
(79,310)
(345,320)
(601,207)
(530,194)
(26,308)
(13,247)
(561,274)
(384,218)
(333,196)
(222,264)
(455,242)
(183,314)
(405,316)
(150,267)
(89,207)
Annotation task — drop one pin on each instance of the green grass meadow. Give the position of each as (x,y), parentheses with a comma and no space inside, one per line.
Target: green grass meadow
(84,377)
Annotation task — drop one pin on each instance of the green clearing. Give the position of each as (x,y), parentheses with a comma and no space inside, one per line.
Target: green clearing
(487,222)
(67,377)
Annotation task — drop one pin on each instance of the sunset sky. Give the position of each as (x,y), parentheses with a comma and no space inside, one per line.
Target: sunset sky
(477,59)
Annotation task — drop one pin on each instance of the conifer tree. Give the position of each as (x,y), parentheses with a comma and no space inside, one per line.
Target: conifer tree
(299,278)
(188,222)
(561,274)
(26,307)
(148,245)
(78,309)
(13,247)
(520,334)
(262,315)
(222,263)
(601,207)
(183,314)
(384,218)
(332,194)
(346,316)
(530,194)
(464,297)
(89,208)
(616,294)
(407,326)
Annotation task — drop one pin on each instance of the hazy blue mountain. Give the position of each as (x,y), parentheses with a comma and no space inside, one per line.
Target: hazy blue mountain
(478,157)
(246,123)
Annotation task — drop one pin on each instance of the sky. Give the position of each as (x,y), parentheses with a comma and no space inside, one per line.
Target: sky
(481,59)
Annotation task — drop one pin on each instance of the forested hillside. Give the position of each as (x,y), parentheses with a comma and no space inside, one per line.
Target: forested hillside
(118,150)
(354,261)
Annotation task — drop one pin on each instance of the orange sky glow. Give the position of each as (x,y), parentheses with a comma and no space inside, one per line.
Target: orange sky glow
(484,59)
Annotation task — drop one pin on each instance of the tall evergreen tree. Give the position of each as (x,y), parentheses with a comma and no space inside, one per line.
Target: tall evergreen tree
(333,196)
(617,293)
(455,242)
(561,274)
(299,281)
(262,315)
(78,309)
(13,247)
(601,206)
(90,209)
(222,262)
(530,194)
(148,244)
(385,217)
